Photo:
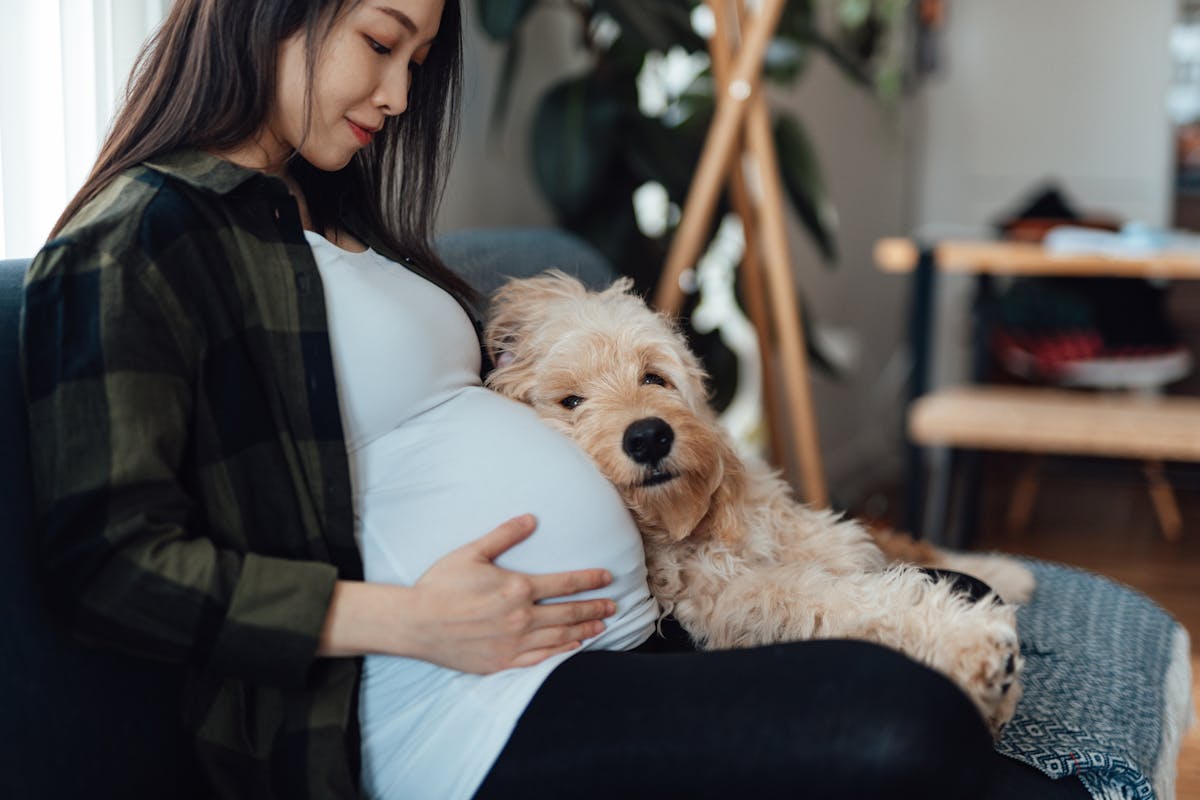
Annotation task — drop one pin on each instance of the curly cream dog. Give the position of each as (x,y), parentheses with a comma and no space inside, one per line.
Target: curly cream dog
(729,552)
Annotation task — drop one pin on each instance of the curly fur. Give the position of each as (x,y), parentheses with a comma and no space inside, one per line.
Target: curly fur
(729,552)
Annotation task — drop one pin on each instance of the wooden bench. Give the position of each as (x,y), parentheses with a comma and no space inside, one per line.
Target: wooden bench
(1054,421)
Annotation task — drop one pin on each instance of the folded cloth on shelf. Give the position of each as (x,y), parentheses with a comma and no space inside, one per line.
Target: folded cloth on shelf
(1134,240)
(1107,686)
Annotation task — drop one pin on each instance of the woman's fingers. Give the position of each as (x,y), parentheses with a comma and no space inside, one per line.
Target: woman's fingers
(531,657)
(561,634)
(561,584)
(557,614)
(504,537)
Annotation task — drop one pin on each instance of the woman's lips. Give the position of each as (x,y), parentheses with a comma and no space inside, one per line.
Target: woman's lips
(362,134)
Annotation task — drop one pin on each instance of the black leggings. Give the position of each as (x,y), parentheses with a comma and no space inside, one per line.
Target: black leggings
(824,719)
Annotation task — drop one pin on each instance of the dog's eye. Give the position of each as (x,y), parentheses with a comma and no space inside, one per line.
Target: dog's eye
(656,379)
(570,401)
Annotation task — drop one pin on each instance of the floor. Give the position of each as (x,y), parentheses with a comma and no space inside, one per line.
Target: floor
(1098,515)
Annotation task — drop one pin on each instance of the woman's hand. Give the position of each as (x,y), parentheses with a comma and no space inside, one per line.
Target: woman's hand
(468,614)
(483,618)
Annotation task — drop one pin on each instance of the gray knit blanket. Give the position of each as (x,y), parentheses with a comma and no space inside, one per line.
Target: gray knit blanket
(1107,686)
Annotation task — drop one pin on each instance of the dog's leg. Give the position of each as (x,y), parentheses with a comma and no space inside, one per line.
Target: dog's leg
(975,643)
(1011,579)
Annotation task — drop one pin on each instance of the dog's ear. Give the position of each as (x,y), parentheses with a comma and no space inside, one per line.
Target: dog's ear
(519,310)
(723,520)
(521,306)
(681,517)
(712,508)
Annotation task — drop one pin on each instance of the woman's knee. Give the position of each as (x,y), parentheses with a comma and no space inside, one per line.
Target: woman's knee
(894,724)
(927,735)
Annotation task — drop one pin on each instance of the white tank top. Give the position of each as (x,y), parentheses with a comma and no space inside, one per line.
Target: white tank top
(437,461)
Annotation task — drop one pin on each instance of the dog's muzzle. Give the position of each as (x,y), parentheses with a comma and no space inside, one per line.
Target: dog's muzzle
(648,441)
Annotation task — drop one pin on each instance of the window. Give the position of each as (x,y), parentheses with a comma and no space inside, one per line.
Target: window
(63,66)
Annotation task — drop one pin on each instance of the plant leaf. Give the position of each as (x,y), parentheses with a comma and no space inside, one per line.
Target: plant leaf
(639,21)
(812,343)
(851,68)
(501,18)
(853,13)
(805,187)
(504,84)
(785,60)
(668,155)
(573,135)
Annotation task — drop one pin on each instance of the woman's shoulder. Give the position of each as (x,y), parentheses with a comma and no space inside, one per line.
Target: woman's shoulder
(149,209)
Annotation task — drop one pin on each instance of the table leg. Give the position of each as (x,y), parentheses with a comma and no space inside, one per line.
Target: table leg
(920,332)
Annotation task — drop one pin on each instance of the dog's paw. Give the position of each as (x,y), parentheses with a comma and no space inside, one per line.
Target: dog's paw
(1017,583)
(985,659)
(1011,579)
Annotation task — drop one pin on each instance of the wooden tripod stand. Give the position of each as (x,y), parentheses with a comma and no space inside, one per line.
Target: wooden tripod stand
(739,141)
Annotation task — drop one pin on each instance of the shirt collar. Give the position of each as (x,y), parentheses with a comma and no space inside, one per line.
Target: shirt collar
(203,170)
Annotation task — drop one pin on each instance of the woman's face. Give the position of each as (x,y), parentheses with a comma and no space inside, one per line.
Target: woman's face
(362,75)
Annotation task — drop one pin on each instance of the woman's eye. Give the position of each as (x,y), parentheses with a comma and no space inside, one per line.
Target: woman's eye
(656,379)
(377,47)
(570,401)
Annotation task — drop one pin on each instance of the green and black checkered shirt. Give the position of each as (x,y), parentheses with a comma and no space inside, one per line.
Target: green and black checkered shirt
(190,472)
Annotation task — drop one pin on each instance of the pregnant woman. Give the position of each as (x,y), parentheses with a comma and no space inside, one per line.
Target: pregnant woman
(431,450)
(261,449)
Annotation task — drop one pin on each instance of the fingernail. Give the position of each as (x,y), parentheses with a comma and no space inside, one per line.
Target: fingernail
(610,608)
(607,576)
(598,628)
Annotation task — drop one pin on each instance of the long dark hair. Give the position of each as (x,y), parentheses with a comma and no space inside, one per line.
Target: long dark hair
(206,79)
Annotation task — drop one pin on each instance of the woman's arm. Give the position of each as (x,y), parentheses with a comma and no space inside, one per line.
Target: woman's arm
(466,613)
(110,358)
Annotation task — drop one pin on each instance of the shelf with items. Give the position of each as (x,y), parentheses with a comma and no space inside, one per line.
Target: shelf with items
(1032,419)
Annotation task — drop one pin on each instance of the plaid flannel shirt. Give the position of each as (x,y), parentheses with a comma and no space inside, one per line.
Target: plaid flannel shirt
(190,472)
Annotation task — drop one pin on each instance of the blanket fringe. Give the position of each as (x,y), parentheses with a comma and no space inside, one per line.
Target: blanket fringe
(1179,714)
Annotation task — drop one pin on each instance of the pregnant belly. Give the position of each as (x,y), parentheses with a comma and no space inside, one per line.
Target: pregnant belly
(456,471)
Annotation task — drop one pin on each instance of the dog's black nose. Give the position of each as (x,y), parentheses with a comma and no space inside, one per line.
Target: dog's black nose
(648,441)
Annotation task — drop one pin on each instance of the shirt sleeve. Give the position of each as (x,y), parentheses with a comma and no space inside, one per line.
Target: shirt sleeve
(108,363)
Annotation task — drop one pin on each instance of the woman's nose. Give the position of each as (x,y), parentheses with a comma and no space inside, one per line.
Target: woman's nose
(391,96)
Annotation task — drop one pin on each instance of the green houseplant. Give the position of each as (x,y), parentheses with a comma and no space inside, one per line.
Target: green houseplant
(639,114)
(632,124)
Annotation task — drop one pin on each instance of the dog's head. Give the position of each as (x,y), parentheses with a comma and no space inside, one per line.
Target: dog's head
(619,380)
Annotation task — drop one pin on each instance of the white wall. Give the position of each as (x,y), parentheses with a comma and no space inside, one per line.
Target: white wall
(863,149)
(1069,90)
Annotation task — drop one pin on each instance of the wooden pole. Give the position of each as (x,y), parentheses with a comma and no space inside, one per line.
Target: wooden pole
(742,113)
(720,48)
(715,159)
(785,311)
